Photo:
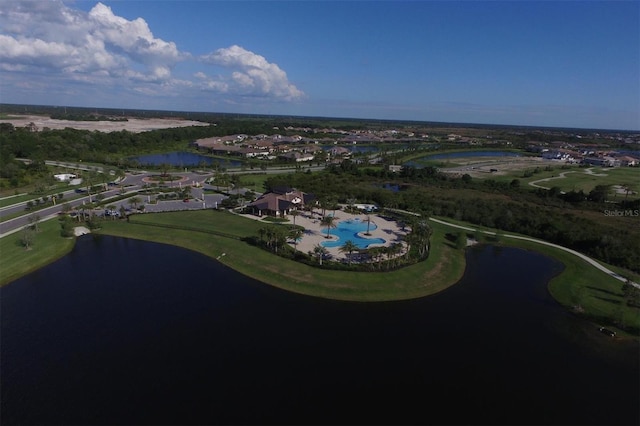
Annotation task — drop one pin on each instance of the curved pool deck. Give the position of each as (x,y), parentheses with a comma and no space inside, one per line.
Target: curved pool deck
(315,233)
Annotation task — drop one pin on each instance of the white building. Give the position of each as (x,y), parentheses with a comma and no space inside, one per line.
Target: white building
(64,177)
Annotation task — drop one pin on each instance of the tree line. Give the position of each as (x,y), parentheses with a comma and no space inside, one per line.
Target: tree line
(485,203)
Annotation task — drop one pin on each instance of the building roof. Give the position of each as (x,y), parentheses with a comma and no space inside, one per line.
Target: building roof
(281,198)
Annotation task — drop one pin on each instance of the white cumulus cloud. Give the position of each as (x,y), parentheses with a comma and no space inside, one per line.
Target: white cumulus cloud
(253,74)
(50,37)
(57,44)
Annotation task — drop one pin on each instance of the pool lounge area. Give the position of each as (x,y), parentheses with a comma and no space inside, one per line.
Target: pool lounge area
(350,226)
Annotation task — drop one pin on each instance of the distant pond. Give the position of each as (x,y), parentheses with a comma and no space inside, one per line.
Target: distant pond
(122,331)
(183,159)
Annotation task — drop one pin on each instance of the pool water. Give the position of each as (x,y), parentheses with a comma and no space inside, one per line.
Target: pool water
(348,230)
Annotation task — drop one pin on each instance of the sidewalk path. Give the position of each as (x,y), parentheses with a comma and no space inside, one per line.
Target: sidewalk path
(575,253)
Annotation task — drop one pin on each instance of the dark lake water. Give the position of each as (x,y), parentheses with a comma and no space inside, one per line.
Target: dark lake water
(128,332)
(183,159)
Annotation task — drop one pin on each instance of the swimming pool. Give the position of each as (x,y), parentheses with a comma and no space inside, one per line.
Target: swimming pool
(348,230)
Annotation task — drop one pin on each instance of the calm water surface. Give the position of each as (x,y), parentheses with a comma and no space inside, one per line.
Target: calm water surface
(128,332)
(348,230)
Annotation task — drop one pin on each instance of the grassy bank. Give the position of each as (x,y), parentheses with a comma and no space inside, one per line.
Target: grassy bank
(586,290)
(217,234)
(48,246)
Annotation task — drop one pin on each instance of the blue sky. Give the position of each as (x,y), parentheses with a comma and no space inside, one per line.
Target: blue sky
(539,63)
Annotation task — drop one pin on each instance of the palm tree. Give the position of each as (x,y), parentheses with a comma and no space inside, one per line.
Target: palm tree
(319,252)
(324,202)
(421,236)
(368,219)
(329,222)
(270,235)
(262,232)
(376,254)
(348,247)
(295,234)
(164,169)
(334,206)
(393,250)
(294,213)
(279,236)
(134,201)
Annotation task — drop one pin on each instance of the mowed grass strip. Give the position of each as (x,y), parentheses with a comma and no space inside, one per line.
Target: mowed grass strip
(444,267)
(48,246)
(598,294)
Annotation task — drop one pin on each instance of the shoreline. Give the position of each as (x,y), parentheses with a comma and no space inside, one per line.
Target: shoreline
(303,279)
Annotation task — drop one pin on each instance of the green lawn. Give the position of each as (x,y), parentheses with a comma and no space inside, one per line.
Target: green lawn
(577,179)
(255,181)
(48,246)
(56,189)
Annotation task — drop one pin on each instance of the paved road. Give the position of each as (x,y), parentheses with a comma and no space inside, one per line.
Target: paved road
(131,184)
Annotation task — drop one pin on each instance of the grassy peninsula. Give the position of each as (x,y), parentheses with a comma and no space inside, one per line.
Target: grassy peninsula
(218,235)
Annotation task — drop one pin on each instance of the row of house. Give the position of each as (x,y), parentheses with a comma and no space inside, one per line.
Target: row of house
(289,149)
(586,156)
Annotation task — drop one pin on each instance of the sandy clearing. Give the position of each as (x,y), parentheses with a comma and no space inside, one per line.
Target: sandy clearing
(481,167)
(134,125)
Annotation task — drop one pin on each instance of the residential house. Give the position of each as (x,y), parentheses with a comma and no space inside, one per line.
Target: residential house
(627,161)
(280,201)
(297,156)
(602,161)
(337,151)
(64,177)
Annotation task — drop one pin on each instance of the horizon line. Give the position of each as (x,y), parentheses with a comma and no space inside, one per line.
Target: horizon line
(390,120)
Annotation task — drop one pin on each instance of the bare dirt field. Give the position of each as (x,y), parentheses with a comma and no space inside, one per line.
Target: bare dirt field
(483,167)
(134,125)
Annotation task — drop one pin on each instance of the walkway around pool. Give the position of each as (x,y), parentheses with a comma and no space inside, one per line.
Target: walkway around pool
(315,233)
